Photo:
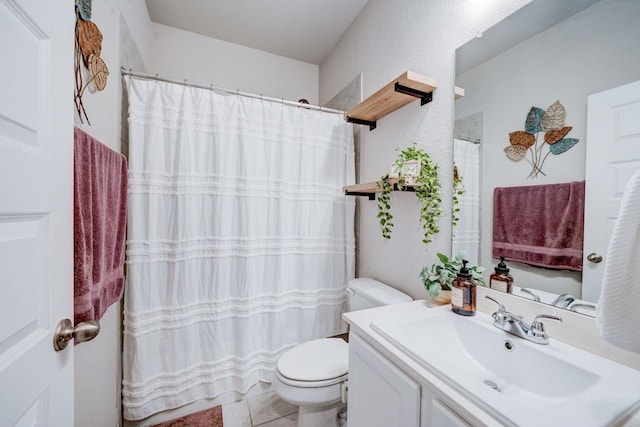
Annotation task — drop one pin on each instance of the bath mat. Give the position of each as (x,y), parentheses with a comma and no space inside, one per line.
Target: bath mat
(208,418)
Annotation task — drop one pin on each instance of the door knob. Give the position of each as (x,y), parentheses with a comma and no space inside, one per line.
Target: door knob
(65,332)
(594,258)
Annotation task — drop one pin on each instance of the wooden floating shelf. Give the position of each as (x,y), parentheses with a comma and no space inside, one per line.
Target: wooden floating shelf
(458,92)
(370,189)
(398,93)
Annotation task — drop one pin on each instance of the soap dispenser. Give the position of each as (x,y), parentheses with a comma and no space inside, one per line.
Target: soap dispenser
(501,280)
(463,292)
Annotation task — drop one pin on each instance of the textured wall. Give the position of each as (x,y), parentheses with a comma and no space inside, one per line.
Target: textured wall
(388,38)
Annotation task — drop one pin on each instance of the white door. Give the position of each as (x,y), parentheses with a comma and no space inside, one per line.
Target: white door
(613,155)
(36,210)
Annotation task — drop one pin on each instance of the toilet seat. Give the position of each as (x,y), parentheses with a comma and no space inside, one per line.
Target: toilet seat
(310,384)
(316,363)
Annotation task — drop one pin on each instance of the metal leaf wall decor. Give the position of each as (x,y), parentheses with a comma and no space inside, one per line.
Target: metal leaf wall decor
(528,145)
(88,46)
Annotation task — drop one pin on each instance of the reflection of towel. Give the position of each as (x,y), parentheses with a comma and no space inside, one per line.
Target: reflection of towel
(540,225)
(99,207)
(618,313)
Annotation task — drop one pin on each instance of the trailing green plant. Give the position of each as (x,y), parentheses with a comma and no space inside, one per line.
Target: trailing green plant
(441,275)
(427,189)
(384,207)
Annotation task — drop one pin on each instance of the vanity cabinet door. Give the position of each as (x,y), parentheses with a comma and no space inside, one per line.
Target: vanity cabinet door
(380,394)
(442,416)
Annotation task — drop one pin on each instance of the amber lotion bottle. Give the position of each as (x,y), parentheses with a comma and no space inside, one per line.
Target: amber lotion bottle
(501,280)
(463,292)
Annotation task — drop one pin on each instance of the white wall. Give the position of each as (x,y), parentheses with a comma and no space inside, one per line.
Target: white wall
(98,363)
(388,38)
(204,60)
(590,52)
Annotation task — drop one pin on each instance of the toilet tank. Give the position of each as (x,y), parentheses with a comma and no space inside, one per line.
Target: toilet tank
(368,293)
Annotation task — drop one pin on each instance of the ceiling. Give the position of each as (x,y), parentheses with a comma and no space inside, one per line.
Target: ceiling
(305,30)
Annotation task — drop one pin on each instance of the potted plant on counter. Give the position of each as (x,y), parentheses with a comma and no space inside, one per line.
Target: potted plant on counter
(438,278)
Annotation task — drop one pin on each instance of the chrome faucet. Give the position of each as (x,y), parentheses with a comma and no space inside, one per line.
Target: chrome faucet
(514,324)
(563,301)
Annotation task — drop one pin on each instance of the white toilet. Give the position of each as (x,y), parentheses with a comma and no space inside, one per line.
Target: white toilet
(311,375)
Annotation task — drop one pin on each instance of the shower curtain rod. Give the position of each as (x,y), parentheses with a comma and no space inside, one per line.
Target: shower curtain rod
(129,72)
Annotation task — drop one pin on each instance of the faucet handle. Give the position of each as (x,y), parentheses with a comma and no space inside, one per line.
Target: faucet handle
(574,307)
(501,308)
(535,296)
(563,301)
(538,323)
(502,315)
(537,327)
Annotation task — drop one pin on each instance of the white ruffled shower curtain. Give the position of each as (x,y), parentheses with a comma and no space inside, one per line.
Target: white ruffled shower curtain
(240,240)
(466,235)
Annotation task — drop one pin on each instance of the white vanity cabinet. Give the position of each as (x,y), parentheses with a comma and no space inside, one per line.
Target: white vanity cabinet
(387,388)
(442,416)
(382,395)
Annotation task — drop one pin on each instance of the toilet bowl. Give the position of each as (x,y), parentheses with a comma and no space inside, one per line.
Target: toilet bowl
(313,374)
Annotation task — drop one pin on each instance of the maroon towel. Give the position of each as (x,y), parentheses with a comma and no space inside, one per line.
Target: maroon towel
(99,209)
(540,225)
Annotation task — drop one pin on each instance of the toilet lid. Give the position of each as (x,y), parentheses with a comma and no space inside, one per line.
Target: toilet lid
(316,360)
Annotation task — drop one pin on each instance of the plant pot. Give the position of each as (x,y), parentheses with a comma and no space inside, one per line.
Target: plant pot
(443,298)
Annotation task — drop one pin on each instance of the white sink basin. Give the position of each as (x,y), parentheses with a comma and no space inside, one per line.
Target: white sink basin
(516,381)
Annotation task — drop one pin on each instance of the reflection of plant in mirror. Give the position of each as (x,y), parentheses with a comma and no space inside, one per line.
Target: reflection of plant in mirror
(458,190)
(552,123)
(426,186)
(440,275)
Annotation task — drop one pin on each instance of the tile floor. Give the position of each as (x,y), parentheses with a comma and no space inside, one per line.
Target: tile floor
(265,410)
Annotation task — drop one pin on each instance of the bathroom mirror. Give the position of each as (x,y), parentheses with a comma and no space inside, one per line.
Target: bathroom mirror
(548,50)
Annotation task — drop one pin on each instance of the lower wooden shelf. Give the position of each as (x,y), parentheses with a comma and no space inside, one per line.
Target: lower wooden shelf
(370,189)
